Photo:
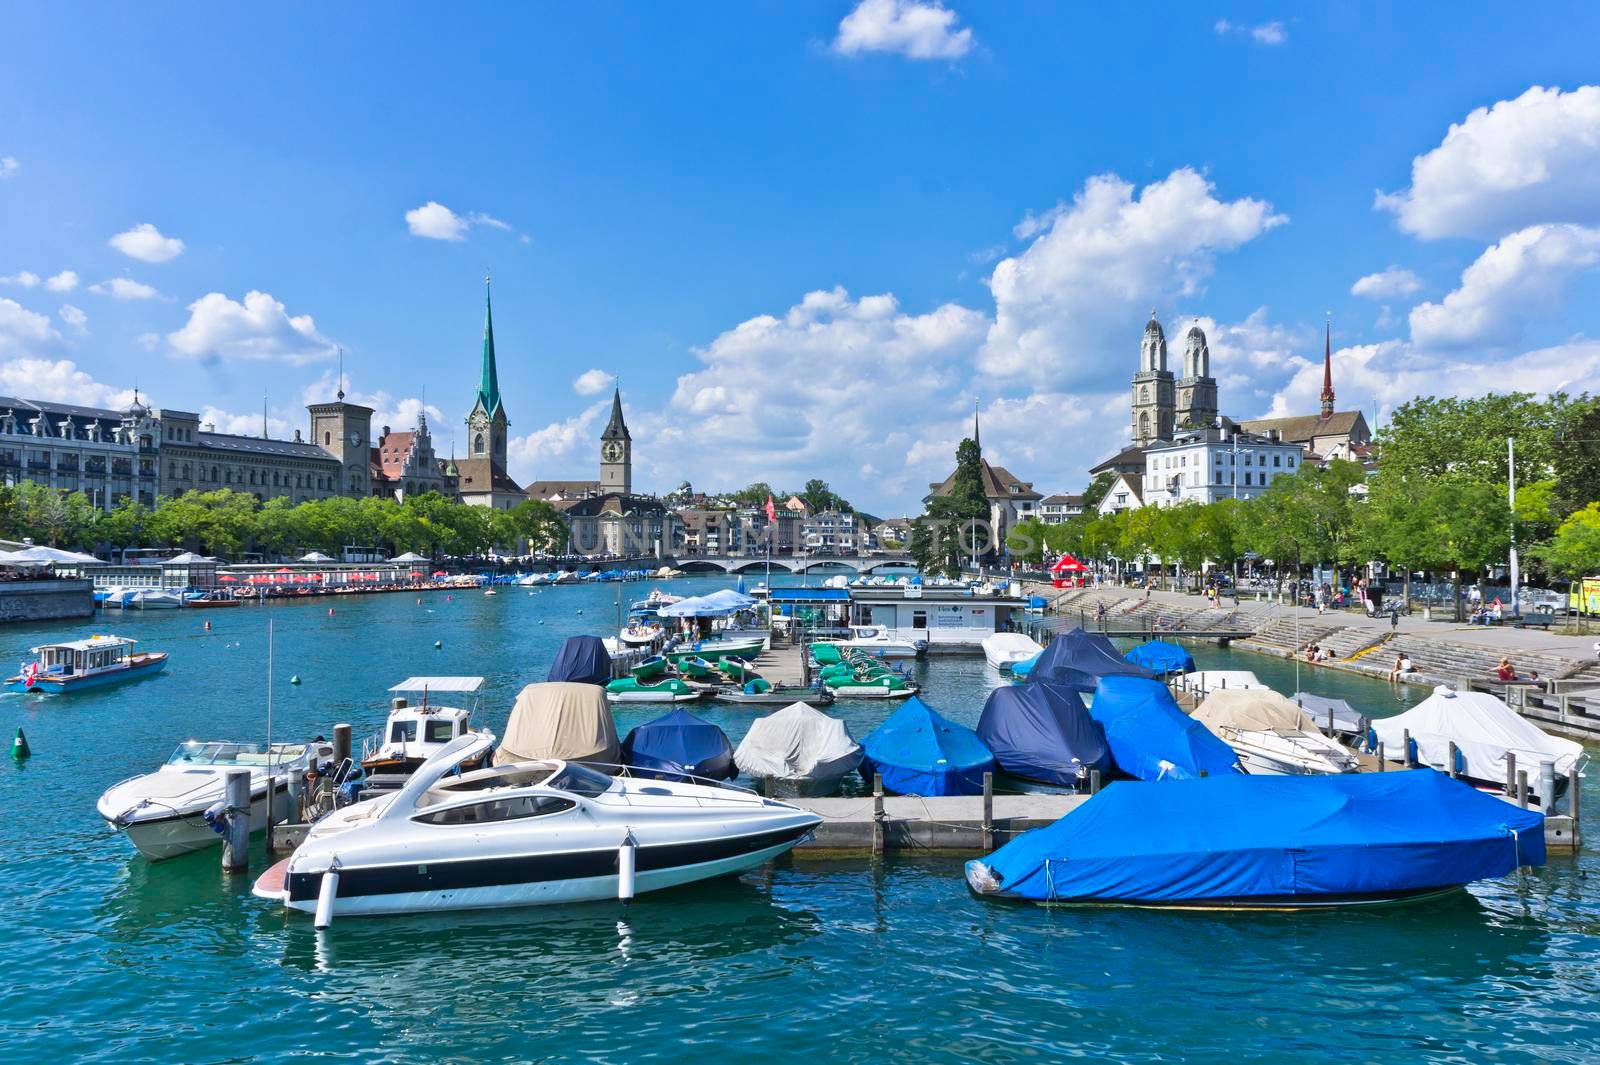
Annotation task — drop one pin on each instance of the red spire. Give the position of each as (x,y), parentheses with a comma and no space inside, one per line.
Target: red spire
(1327,373)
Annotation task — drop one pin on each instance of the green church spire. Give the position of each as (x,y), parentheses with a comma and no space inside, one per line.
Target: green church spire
(489,383)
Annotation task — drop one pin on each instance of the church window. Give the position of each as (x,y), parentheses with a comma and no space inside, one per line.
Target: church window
(1144,394)
(327,438)
(477,444)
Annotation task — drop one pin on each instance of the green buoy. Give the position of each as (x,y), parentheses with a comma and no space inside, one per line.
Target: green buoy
(20,748)
(295,679)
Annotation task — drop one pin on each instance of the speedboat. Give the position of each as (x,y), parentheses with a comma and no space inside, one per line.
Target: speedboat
(1005,649)
(525,834)
(76,664)
(920,752)
(169,812)
(1271,735)
(679,746)
(1042,734)
(877,641)
(1151,738)
(801,749)
(212,600)
(414,733)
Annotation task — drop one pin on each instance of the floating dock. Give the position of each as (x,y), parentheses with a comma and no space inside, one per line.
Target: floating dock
(936,825)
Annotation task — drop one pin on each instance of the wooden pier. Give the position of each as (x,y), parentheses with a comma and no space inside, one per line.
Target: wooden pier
(945,825)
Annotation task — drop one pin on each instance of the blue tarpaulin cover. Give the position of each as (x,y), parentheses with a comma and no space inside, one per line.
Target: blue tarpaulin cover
(1042,732)
(1161,657)
(582,660)
(679,744)
(1150,737)
(1075,655)
(1271,838)
(920,752)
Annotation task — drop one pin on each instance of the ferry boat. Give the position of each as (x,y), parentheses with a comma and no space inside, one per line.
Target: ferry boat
(75,664)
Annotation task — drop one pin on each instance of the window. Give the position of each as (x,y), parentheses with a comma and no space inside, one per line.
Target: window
(327,438)
(1247,478)
(439,731)
(1291,462)
(509,809)
(403,732)
(1277,460)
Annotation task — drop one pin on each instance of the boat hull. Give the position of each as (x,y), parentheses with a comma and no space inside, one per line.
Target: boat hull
(652,697)
(869,691)
(1278,904)
(775,697)
(169,837)
(154,664)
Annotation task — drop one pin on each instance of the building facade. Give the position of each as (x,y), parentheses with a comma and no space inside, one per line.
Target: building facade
(1010,498)
(833,532)
(1154,404)
(405,464)
(1056,509)
(1205,465)
(616,520)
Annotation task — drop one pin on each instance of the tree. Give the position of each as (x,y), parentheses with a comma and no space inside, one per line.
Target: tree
(818,497)
(1577,459)
(954,524)
(1096,492)
(1575,551)
(757,494)
(124,525)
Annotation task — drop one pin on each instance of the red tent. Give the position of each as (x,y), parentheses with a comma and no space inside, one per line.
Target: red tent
(1068,572)
(227,577)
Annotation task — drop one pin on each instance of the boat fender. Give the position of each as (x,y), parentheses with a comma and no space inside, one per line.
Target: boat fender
(327,891)
(216,816)
(626,854)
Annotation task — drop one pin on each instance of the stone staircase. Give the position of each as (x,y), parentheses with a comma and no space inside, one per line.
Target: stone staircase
(1285,635)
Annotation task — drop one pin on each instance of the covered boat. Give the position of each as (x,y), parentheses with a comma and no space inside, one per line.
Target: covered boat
(1005,649)
(1075,655)
(560,719)
(1270,734)
(581,660)
(1336,717)
(1210,680)
(803,750)
(1151,738)
(1484,730)
(1161,657)
(1267,843)
(1041,732)
(677,746)
(920,752)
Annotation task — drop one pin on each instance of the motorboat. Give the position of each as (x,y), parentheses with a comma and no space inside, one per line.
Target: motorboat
(72,665)
(877,641)
(582,660)
(525,834)
(415,732)
(1485,731)
(679,746)
(919,751)
(1042,734)
(568,721)
(165,813)
(759,693)
(1335,717)
(639,633)
(1005,649)
(800,749)
(1162,657)
(1076,658)
(1151,738)
(1205,681)
(658,690)
(883,685)
(745,648)
(155,599)
(1267,843)
(1271,735)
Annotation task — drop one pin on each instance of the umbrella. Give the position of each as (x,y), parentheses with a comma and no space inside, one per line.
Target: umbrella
(440,573)
(227,577)
(41,554)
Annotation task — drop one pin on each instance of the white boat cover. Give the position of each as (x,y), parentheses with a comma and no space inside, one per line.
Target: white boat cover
(1003,646)
(1252,710)
(1483,729)
(1209,680)
(798,742)
(560,719)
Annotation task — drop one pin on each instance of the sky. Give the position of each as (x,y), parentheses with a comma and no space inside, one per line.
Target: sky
(806,238)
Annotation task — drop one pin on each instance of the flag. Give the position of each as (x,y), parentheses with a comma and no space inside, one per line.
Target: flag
(772,511)
(30,674)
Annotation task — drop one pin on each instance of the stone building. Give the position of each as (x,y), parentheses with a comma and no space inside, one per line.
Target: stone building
(405,464)
(616,520)
(482,479)
(1153,401)
(1197,389)
(1011,499)
(1329,433)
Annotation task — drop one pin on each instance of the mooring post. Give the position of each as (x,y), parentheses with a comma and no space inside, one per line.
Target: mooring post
(766,786)
(988,812)
(1547,786)
(236,836)
(1511,773)
(877,813)
(1381,766)
(1330,721)
(1452,759)
(341,746)
(1094,782)
(1522,788)
(1406,752)
(1572,801)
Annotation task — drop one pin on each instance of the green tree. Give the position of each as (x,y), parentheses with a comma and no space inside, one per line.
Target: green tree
(1575,550)
(954,526)
(1096,492)
(756,495)
(124,525)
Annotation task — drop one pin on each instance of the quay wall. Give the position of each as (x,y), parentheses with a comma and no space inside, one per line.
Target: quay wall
(45,600)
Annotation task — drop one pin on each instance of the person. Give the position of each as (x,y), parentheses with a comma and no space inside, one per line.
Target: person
(1321,598)
(1394,619)
(1394,674)
(1505,671)
(1496,611)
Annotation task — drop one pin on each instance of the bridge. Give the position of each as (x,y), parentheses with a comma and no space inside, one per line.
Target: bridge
(795,564)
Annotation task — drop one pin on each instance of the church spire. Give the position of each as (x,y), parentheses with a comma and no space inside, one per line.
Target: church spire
(616,428)
(1327,371)
(975,438)
(489,382)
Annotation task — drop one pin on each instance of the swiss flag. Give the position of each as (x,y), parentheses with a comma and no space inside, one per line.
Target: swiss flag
(772,511)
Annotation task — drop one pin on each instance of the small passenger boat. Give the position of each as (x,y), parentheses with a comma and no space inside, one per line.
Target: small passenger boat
(414,733)
(76,664)
(664,690)
(212,600)
(564,720)
(876,640)
(1270,734)
(1042,734)
(1162,657)
(760,693)
(1005,649)
(1151,738)
(677,746)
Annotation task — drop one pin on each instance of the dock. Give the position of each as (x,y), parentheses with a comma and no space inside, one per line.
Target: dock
(945,825)
(781,665)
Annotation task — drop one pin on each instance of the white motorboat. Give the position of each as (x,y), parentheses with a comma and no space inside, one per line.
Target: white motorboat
(801,749)
(414,733)
(164,813)
(1271,735)
(1205,681)
(1006,649)
(525,834)
(876,640)
(155,599)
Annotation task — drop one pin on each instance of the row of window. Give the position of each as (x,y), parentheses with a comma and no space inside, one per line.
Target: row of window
(226,477)
(1247,458)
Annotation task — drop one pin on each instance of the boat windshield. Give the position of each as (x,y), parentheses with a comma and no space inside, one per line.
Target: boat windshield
(195,752)
(580,780)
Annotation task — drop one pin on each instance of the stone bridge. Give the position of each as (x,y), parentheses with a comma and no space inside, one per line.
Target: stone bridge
(860,564)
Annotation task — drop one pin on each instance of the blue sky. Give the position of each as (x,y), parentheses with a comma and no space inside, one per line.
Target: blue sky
(806,236)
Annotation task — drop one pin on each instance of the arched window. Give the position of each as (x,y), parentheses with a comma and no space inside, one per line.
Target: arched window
(477,444)
(1144,424)
(1144,393)
(327,438)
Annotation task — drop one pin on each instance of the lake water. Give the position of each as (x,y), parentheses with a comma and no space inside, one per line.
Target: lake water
(114,958)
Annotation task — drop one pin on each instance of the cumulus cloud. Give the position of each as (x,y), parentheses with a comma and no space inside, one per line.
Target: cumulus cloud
(76,320)
(562,450)
(1078,292)
(258,328)
(65,281)
(223,421)
(8,166)
(22,279)
(1513,280)
(1387,284)
(23,331)
(122,288)
(591,382)
(59,380)
(147,244)
(1268,33)
(435,221)
(1522,161)
(910,28)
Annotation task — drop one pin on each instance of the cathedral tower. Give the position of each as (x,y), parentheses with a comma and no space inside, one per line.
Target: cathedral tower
(487,424)
(1197,389)
(1153,407)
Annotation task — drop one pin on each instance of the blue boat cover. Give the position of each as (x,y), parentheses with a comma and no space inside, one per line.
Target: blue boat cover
(920,752)
(1272,837)
(677,745)
(1151,738)
(582,660)
(1161,657)
(1073,656)
(1042,732)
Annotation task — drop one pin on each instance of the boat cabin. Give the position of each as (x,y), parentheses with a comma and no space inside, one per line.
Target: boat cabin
(97,654)
(417,726)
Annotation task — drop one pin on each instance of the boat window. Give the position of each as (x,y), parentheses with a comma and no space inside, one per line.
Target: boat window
(403,732)
(509,809)
(197,753)
(439,731)
(581,781)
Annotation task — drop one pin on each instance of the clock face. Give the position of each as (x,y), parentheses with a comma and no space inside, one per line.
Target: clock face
(611,451)
(355,439)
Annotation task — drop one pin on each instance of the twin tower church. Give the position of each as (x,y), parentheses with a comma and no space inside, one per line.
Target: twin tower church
(1162,405)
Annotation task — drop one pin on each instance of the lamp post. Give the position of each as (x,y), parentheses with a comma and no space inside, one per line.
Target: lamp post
(1511,488)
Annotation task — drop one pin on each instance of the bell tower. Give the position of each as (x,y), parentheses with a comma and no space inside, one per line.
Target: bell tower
(616,451)
(1153,403)
(487,424)
(1197,389)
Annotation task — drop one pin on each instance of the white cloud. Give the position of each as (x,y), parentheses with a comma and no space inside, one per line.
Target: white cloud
(258,328)
(59,380)
(1081,289)
(222,421)
(1268,33)
(75,319)
(8,166)
(478,218)
(146,243)
(562,450)
(149,341)
(1523,274)
(1522,161)
(1387,284)
(591,382)
(22,279)
(437,222)
(399,414)
(24,332)
(904,27)
(65,281)
(122,288)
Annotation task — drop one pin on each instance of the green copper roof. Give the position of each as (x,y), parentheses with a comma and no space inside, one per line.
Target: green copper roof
(489,383)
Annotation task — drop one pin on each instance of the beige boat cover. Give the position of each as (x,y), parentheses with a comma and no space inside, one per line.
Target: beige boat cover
(560,719)
(1252,710)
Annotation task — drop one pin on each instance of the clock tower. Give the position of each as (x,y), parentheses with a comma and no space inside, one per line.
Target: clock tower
(344,430)
(486,425)
(616,452)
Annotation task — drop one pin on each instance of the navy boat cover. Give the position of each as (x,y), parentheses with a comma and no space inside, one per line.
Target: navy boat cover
(677,745)
(1042,732)
(1151,738)
(1240,838)
(582,660)
(1076,657)
(919,752)
(1161,657)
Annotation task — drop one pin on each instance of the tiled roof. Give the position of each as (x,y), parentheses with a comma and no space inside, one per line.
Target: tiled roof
(617,503)
(997,482)
(256,445)
(393,450)
(1301,428)
(1128,456)
(477,476)
(547,489)
(1062,501)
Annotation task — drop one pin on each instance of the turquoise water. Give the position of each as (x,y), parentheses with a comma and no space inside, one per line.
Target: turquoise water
(113,958)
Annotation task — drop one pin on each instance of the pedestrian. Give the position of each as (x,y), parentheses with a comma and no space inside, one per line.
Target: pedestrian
(1394,620)
(1320,598)
(1506,672)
